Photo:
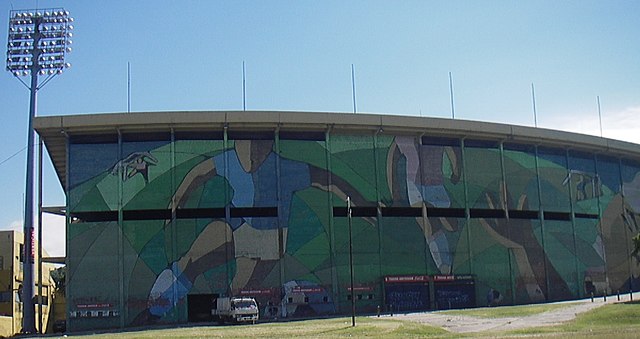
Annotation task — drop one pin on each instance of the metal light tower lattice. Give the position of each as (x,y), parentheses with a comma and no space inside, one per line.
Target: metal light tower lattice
(38,43)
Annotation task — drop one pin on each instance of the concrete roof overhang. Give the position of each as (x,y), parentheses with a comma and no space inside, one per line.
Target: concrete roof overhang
(54,130)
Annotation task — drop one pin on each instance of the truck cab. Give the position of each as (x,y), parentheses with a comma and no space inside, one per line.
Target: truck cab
(235,310)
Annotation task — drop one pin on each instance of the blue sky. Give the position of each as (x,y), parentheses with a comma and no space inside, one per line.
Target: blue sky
(187,55)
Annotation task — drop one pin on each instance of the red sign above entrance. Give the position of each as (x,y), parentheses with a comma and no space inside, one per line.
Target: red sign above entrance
(406,279)
(444,278)
(398,279)
(299,289)
(256,292)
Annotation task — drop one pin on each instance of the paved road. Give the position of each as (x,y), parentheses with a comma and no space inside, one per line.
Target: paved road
(467,324)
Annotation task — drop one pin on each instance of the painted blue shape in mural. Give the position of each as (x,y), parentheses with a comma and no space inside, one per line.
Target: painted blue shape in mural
(436,195)
(266,189)
(240,181)
(439,247)
(84,165)
(298,178)
(263,223)
(162,297)
(265,183)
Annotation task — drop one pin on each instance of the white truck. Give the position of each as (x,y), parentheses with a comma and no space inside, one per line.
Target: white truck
(235,310)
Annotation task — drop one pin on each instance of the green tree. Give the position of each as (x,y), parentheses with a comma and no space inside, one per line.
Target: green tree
(59,276)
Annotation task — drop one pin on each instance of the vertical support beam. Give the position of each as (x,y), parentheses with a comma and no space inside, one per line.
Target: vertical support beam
(466,205)
(504,194)
(121,307)
(332,236)
(67,223)
(541,218)
(425,217)
(281,220)
(505,206)
(598,190)
(377,173)
(173,229)
(40,318)
(227,208)
(573,225)
(626,229)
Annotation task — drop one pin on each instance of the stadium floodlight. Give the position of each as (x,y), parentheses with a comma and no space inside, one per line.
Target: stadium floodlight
(38,43)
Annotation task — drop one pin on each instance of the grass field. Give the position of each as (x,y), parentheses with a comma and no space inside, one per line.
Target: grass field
(325,328)
(508,311)
(620,320)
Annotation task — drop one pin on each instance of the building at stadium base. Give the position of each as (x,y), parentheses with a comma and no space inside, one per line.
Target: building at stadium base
(11,285)
(169,210)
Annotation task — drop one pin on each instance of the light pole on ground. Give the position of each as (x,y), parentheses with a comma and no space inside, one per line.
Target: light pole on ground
(353,300)
(37,45)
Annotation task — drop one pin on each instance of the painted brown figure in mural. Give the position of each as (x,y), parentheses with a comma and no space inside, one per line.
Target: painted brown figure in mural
(425,187)
(253,248)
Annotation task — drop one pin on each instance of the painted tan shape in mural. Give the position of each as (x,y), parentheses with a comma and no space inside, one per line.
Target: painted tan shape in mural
(616,224)
(252,153)
(244,270)
(243,150)
(255,243)
(216,234)
(407,147)
(196,176)
(526,272)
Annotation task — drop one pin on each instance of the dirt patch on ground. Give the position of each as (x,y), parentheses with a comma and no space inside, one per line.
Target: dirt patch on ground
(468,324)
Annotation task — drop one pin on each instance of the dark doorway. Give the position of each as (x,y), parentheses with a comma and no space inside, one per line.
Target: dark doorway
(199,307)
(405,293)
(407,297)
(460,293)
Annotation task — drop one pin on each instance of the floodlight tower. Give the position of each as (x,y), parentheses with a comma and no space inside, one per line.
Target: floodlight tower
(38,43)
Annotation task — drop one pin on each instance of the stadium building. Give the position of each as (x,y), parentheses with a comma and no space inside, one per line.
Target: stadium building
(168,210)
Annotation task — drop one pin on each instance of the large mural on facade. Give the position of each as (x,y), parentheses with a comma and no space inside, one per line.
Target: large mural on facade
(155,223)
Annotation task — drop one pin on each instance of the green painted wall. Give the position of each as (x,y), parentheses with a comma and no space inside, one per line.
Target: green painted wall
(154,222)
